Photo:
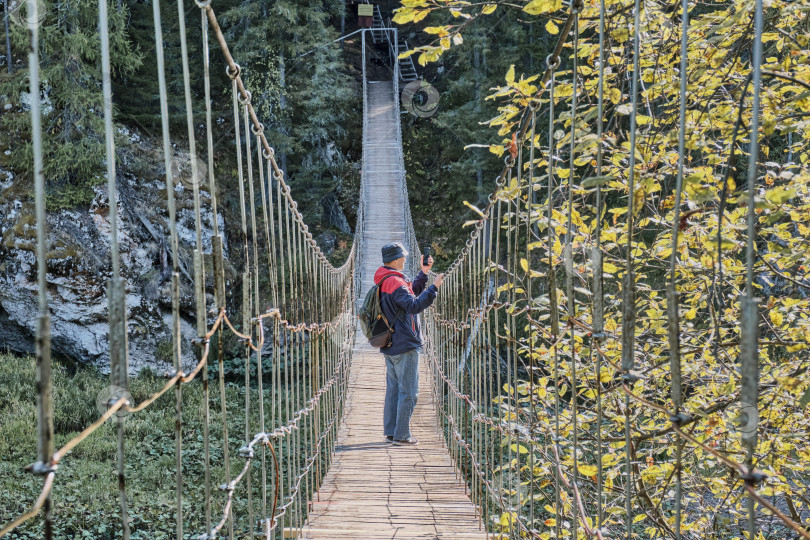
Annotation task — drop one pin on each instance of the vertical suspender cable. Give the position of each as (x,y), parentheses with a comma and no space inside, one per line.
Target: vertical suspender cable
(216,245)
(513,333)
(628,290)
(529,302)
(118,337)
(569,266)
(43,337)
(199,276)
(237,101)
(499,385)
(596,257)
(252,288)
(552,64)
(514,485)
(167,163)
(672,294)
(257,313)
(749,331)
(198,279)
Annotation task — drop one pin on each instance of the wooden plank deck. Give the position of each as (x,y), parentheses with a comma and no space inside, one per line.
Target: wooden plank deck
(375,490)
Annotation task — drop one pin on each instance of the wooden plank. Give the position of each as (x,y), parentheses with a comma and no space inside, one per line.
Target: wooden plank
(375,490)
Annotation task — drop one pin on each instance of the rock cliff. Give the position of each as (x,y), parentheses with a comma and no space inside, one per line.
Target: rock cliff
(79,265)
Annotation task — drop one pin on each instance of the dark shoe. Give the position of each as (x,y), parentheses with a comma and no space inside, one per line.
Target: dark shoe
(410,441)
(389,438)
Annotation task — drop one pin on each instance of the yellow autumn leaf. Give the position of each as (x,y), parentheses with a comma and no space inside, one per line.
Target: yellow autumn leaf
(587,470)
(404,15)
(536,7)
(552,28)
(489,8)
(510,75)
(610,268)
(474,208)
(440,30)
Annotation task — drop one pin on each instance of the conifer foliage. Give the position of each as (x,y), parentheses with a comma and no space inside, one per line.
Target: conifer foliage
(73,127)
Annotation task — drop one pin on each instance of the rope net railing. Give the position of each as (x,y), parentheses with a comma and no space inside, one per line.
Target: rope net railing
(603,362)
(307,331)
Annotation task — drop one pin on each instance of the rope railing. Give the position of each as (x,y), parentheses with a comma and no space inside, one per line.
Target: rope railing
(309,330)
(561,419)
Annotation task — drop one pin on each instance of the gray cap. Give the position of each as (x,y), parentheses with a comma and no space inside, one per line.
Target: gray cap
(393,251)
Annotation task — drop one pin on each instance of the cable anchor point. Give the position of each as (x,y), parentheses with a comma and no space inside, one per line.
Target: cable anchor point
(233,74)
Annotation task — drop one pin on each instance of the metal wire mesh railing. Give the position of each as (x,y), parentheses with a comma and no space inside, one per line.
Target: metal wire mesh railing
(308,331)
(553,402)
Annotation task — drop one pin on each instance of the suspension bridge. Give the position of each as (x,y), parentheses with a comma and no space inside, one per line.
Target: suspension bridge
(522,432)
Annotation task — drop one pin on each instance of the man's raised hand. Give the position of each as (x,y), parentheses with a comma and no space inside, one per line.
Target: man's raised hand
(426,267)
(439,280)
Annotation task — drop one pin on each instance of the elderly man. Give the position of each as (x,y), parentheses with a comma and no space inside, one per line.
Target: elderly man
(401,301)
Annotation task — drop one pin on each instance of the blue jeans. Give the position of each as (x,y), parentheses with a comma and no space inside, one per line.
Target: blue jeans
(401,391)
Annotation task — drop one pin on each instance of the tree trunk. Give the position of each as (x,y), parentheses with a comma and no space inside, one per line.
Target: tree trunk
(343,25)
(8,36)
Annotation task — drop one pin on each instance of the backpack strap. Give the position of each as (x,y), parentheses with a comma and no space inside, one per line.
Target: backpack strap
(379,300)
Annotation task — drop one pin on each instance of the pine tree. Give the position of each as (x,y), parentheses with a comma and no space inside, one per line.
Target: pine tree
(73,123)
(306,101)
(137,95)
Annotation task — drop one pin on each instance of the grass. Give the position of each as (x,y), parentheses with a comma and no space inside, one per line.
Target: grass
(85,494)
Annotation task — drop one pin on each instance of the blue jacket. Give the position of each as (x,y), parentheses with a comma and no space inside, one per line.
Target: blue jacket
(411,298)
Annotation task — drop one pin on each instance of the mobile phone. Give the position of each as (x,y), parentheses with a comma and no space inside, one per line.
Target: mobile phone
(426,256)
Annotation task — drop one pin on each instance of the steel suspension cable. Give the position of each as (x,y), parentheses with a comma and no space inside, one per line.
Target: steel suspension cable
(552,65)
(673,319)
(219,291)
(629,285)
(749,323)
(598,267)
(43,329)
(119,361)
(568,255)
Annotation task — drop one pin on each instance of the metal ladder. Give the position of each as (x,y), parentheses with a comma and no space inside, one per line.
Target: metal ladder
(407,69)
